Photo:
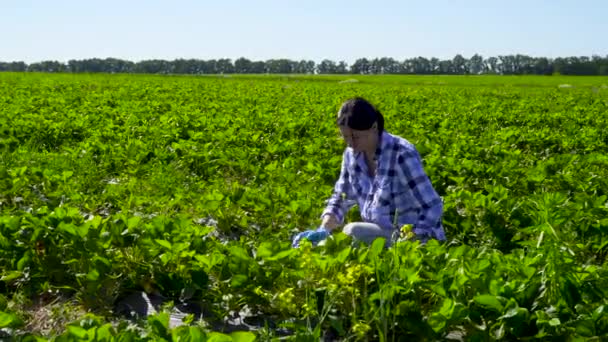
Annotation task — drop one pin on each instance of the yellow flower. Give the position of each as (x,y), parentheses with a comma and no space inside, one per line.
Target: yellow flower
(284,300)
(361,329)
(309,310)
(406,232)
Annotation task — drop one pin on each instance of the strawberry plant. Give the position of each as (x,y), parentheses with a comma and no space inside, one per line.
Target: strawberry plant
(190,188)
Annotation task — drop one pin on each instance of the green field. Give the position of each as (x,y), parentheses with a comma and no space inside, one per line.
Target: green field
(190,188)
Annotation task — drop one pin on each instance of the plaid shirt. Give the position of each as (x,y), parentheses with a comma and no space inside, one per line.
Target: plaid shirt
(400,186)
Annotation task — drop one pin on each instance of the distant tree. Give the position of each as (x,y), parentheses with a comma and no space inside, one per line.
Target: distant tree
(375,66)
(408,66)
(47,66)
(114,65)
(279,66)
(311,66)
(18,66)
(243,66)
(491,65)
(542,66)
(153,66)
(392,66)
(258,67)
(93,65)
(224,66)
(602,64)
(184,66)
(361,66)
(76,66)
(507,65)
(475,64)
(459,64)
(326,67)
(304,67)
(446,67)
(421,66)
(434,65)
(342,68)
(523,65)
(209,67)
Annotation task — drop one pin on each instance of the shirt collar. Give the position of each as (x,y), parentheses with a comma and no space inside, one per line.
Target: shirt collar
(382,143)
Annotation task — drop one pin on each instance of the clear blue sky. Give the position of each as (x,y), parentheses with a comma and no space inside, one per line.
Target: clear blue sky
(310,29)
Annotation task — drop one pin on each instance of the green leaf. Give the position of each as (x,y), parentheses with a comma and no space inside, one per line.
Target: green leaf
(219,337)
(133,222)
(165,258)
(376,248)
(362,255)
(71,261)
(242,336)
(100,260)
(437,322)
(343,255)
(238,280)
(598,312)
(93,275)
(498,330)
(490,302)
(554,322)
(447,308)
(265,250)
(3,302)
(518,314)
(82,230)
(11,275)
(77,332)
(188,334)
(95,222)
(282,255)
(24,261)
(69,228)
(196,334)
(104,333)
(164,243)
(160,324)
(239,253)
(585,328)
(482,265)
(438,288)
(9,320)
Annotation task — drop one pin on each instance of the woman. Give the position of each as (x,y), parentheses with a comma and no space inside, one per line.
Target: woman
(383,174)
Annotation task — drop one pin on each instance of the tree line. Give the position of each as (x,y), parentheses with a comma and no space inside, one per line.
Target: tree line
(459,65)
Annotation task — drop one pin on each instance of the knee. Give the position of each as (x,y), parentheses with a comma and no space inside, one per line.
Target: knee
(348,229)
(351,229)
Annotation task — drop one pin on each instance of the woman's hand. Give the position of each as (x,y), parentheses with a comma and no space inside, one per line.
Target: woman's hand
(328,224)
(314,236)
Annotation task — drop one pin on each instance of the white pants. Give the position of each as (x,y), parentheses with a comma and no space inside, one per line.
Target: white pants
(367,232)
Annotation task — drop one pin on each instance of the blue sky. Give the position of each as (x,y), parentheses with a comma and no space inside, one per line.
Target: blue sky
(315,29)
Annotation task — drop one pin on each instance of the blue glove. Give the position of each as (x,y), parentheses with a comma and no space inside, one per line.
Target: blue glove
(314,236)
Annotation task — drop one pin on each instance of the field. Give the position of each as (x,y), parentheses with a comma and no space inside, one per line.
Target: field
(189,189)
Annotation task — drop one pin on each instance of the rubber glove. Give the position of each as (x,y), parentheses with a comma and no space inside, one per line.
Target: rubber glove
(314,236)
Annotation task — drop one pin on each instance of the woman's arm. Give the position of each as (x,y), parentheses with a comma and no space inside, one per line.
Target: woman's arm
(341,200)
(416,180)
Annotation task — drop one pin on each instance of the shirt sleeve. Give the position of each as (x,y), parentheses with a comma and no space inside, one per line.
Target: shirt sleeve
(414,177)
(343,197)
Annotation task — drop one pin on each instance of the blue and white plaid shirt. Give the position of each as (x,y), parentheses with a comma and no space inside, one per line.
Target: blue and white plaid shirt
(400,186)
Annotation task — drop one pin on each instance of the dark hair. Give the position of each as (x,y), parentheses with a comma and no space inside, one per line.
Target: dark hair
(357,113)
